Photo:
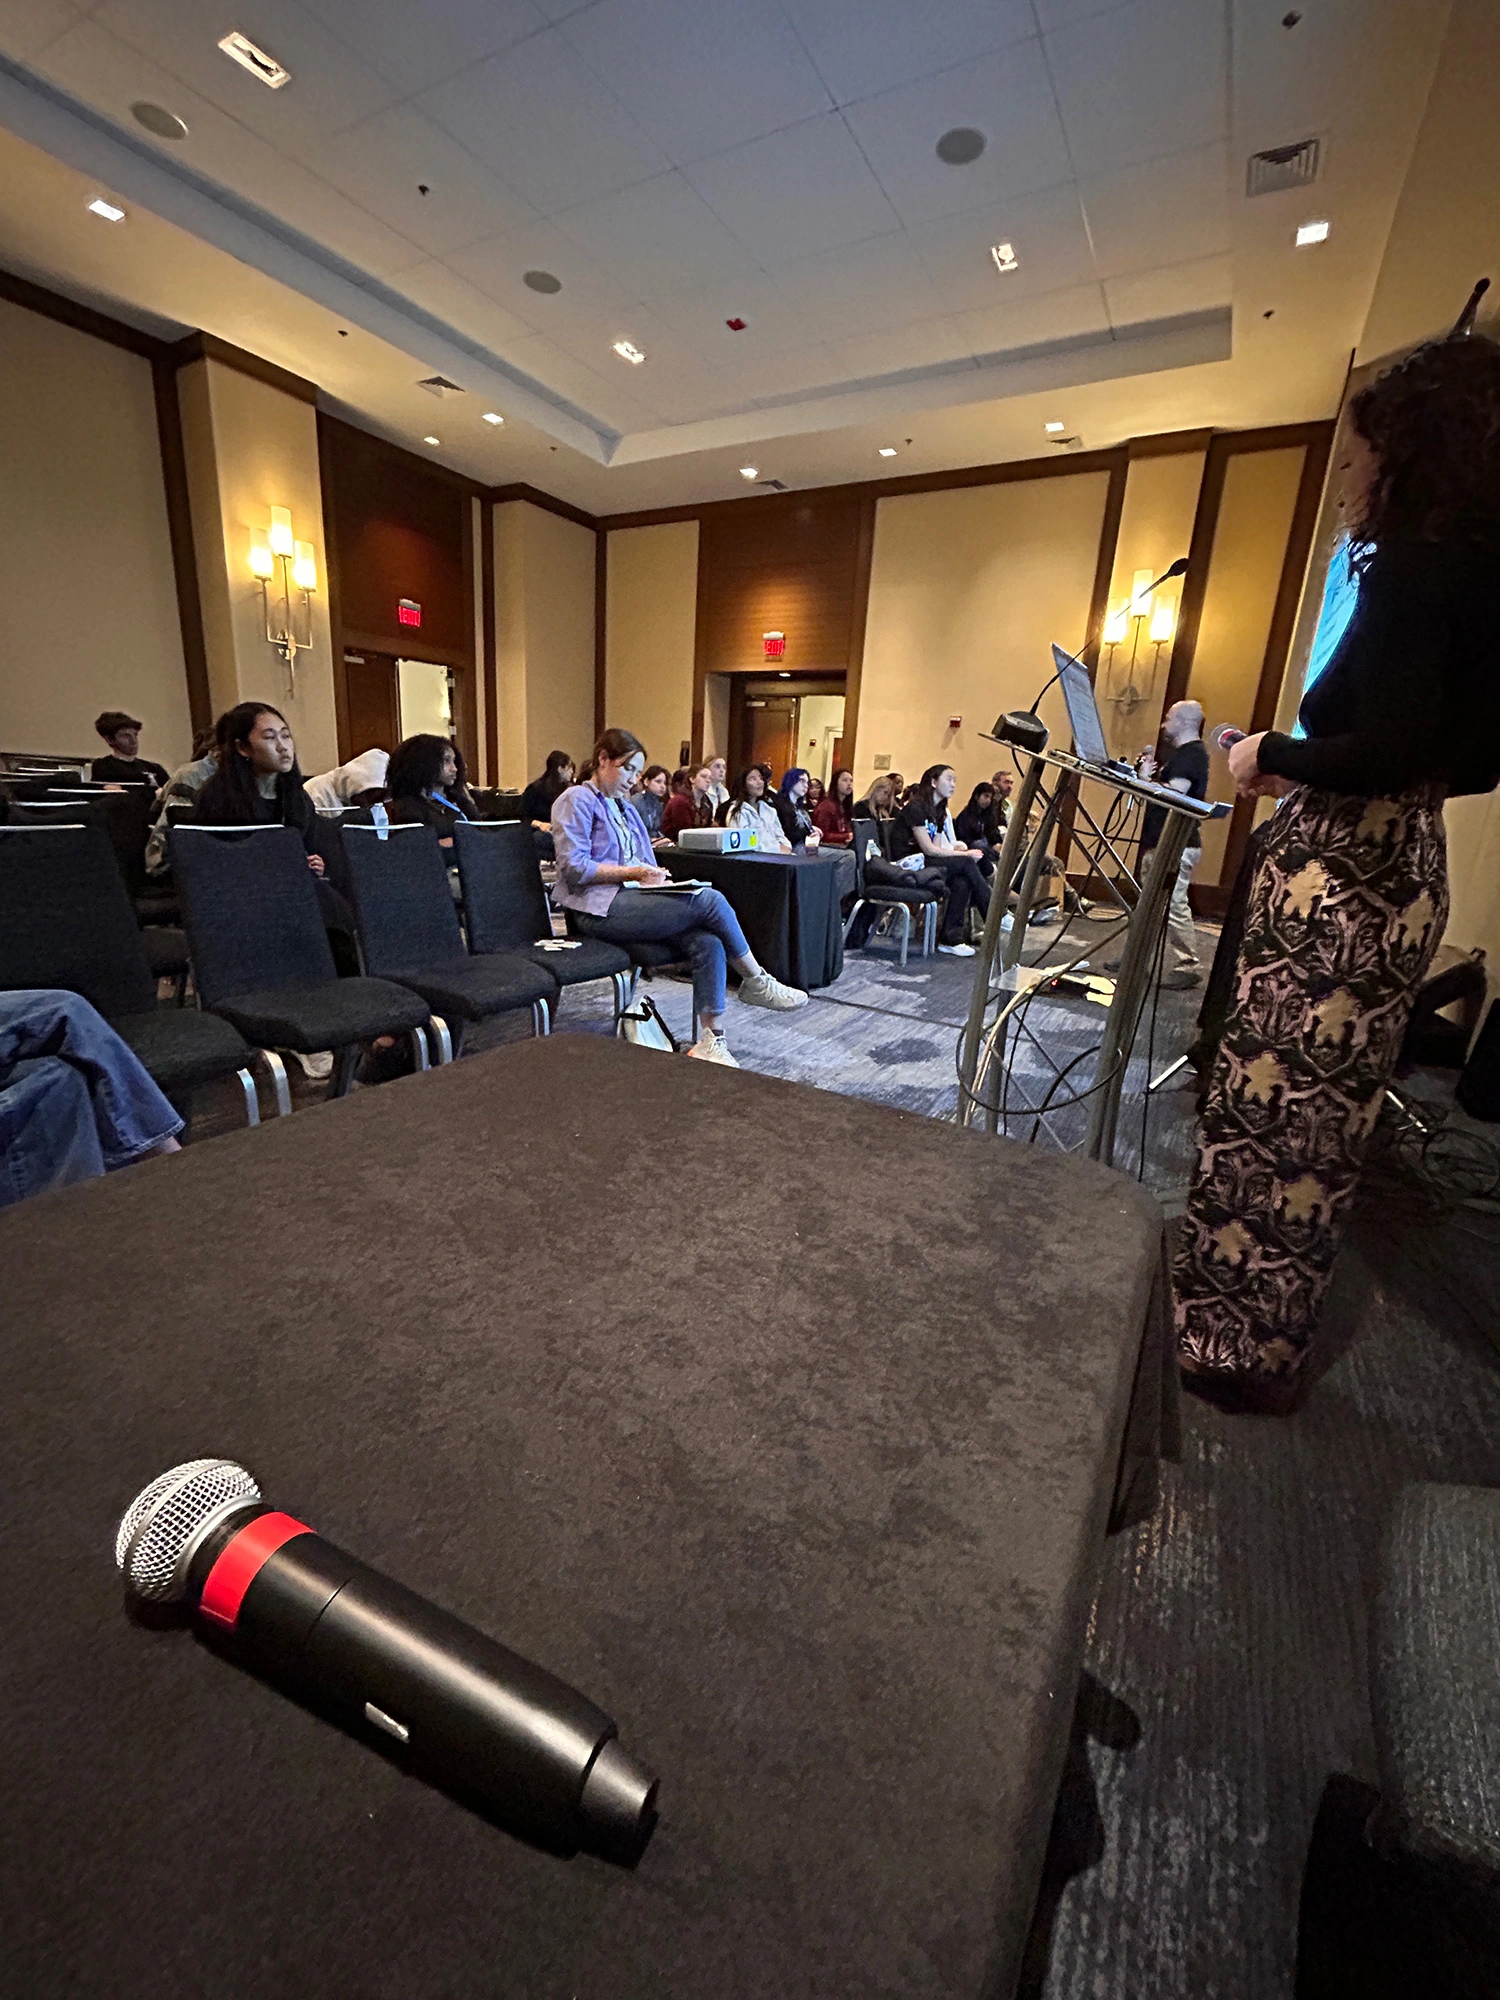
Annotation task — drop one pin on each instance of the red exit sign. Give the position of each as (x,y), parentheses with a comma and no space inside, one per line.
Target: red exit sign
(774,644)
(408,611)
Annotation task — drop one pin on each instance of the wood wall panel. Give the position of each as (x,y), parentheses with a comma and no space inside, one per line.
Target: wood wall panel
(786,563)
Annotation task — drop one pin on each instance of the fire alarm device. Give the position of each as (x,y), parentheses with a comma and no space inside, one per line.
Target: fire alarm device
(955,722)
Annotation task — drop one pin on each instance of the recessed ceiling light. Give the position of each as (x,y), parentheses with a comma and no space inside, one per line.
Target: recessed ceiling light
(492,417)
(1054,429)
(887,451)
(749,472)
(1004,255)
(960,146)
(1311,232)
(432,440)
(541,281)
(783,677)
(99,206)
(156,118)
(239,48)
(628,351)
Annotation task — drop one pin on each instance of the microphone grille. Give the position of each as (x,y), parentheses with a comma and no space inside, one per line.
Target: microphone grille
(164,1521)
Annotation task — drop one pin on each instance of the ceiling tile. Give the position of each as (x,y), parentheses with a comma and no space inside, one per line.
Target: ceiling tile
(1052,14)
(779,378)
(804,190)
(1033,322)
(383,163)
(589,295)
(1195,286)
(539,118)
(1046,231)
(863,289)
(415,46)
(458,304)
(1166,210)
(870,356)
(608,402)
(330,87)
(109,75)
(864,49)
(1140,80)
(658,236)
(700,317)
(592,343)
(28,25)
(1008,97)
(700,75)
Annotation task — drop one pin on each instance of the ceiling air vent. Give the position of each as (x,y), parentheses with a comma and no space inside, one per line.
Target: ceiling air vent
(440,386)
(1280,167)
(1073,443)
(774,485)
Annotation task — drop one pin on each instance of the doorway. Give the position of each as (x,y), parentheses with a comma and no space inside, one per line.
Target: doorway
(785,720)
(386,699)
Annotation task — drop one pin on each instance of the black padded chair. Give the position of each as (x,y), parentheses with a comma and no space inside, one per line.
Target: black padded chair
(155,907)
(66,921)
(506,909)
(409,932)
(890,895)
(261,956)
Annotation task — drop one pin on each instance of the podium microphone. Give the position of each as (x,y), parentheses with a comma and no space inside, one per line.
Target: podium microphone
(462,1710)
(1023,726)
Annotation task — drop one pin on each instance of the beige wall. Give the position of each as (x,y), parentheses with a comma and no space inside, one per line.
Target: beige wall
(1156,526)
(651,598)
(967,590)
(544,638)
(86,577)
(251,447)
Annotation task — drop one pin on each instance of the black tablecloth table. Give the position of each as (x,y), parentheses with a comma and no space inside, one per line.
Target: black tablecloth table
(805,1488)
(787,904)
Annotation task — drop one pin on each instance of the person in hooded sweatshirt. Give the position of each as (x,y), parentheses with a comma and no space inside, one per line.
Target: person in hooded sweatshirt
(360,782)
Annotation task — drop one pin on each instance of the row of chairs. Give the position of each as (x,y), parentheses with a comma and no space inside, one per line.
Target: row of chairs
(872,842)
(263,970)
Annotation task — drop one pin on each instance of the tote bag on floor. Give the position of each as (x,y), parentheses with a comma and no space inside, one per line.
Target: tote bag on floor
(642,1024)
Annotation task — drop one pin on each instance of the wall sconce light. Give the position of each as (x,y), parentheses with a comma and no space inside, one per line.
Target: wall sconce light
(1142,607)
(1163,621)
(278,555)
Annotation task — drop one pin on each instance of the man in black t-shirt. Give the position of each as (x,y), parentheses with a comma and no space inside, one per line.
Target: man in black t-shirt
(1185,770)
(123,766)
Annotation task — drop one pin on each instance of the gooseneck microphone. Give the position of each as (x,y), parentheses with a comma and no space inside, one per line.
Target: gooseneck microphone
(463,1711)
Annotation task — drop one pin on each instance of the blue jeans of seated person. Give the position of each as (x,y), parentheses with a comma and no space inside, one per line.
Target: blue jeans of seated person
(704,923)
(75,1101)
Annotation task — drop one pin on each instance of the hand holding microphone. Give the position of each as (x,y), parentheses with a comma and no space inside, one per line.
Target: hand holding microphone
(471,1716)
(1244,763)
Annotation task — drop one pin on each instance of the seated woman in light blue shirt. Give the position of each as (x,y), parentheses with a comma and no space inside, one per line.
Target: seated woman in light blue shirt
(605,871)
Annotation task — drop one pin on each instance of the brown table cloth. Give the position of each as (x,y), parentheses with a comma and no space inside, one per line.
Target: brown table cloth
(804,1483)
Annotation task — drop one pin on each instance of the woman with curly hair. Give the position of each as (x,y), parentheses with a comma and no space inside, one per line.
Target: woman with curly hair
(1350,892)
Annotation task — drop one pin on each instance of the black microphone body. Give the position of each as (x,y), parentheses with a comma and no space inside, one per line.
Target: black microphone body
(455,1706)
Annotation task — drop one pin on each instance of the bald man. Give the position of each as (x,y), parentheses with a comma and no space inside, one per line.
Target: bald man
(1185,770)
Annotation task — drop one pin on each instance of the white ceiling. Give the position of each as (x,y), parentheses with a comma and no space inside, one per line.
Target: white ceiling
(677,163)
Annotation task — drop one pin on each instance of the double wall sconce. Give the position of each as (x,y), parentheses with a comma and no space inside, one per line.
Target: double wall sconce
(1142,608)
(288,574)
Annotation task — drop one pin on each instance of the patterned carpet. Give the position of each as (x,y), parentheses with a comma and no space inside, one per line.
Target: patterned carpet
(1226,1677)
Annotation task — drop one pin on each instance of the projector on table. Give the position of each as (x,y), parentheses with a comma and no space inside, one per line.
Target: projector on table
(718,839)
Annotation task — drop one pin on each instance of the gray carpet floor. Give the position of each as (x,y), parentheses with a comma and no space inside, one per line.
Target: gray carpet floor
(1226,1678)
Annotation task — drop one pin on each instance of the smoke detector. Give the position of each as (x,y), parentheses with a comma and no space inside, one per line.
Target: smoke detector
(441,387)
(1280,167)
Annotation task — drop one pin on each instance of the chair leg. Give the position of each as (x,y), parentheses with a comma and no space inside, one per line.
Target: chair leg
(621,981)
(179,989)
(541,1017)
(859,903)
(437,1029)
(929,930)
(903,910)
(419,1048)
(252,1102)
(277,1070)
(345,1061)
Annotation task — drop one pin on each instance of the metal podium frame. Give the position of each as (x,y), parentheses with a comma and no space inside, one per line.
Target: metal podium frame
(981,1053)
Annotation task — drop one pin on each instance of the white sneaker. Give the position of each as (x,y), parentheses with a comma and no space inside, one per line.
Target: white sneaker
(957,950)
(713,1048)
(319,1066)
(764,991)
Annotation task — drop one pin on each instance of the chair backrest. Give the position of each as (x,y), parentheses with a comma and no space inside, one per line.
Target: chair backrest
(505,905)
(249,909)
(402,902)
(66,921)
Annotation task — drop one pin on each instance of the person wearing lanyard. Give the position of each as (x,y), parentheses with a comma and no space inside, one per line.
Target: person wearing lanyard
(605,869)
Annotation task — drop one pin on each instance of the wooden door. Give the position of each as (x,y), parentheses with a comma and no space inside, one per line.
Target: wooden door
(372,706)
(771,731)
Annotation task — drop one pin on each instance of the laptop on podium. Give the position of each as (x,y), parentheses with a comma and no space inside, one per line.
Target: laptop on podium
(1089,745)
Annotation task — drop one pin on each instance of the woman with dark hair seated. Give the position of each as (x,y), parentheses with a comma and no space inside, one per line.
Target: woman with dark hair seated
(749,808)
(689,804)
(536,800)
(924,826)
(833,815)
(976,827)
(650,801)
(606,874)
(790,802)
(421,772)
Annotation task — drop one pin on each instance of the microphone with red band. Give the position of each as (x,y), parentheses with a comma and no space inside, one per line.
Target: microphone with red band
(468,1714)
(1226,736)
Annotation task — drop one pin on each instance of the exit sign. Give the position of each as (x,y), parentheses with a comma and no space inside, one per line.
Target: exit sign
(774,644)
(408,611)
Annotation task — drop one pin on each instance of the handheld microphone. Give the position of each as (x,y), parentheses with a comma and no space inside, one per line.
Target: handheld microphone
(465,1712)
(1022,726)
(1226,736)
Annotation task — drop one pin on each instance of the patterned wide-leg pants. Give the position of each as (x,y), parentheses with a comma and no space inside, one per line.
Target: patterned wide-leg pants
(1346,910)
